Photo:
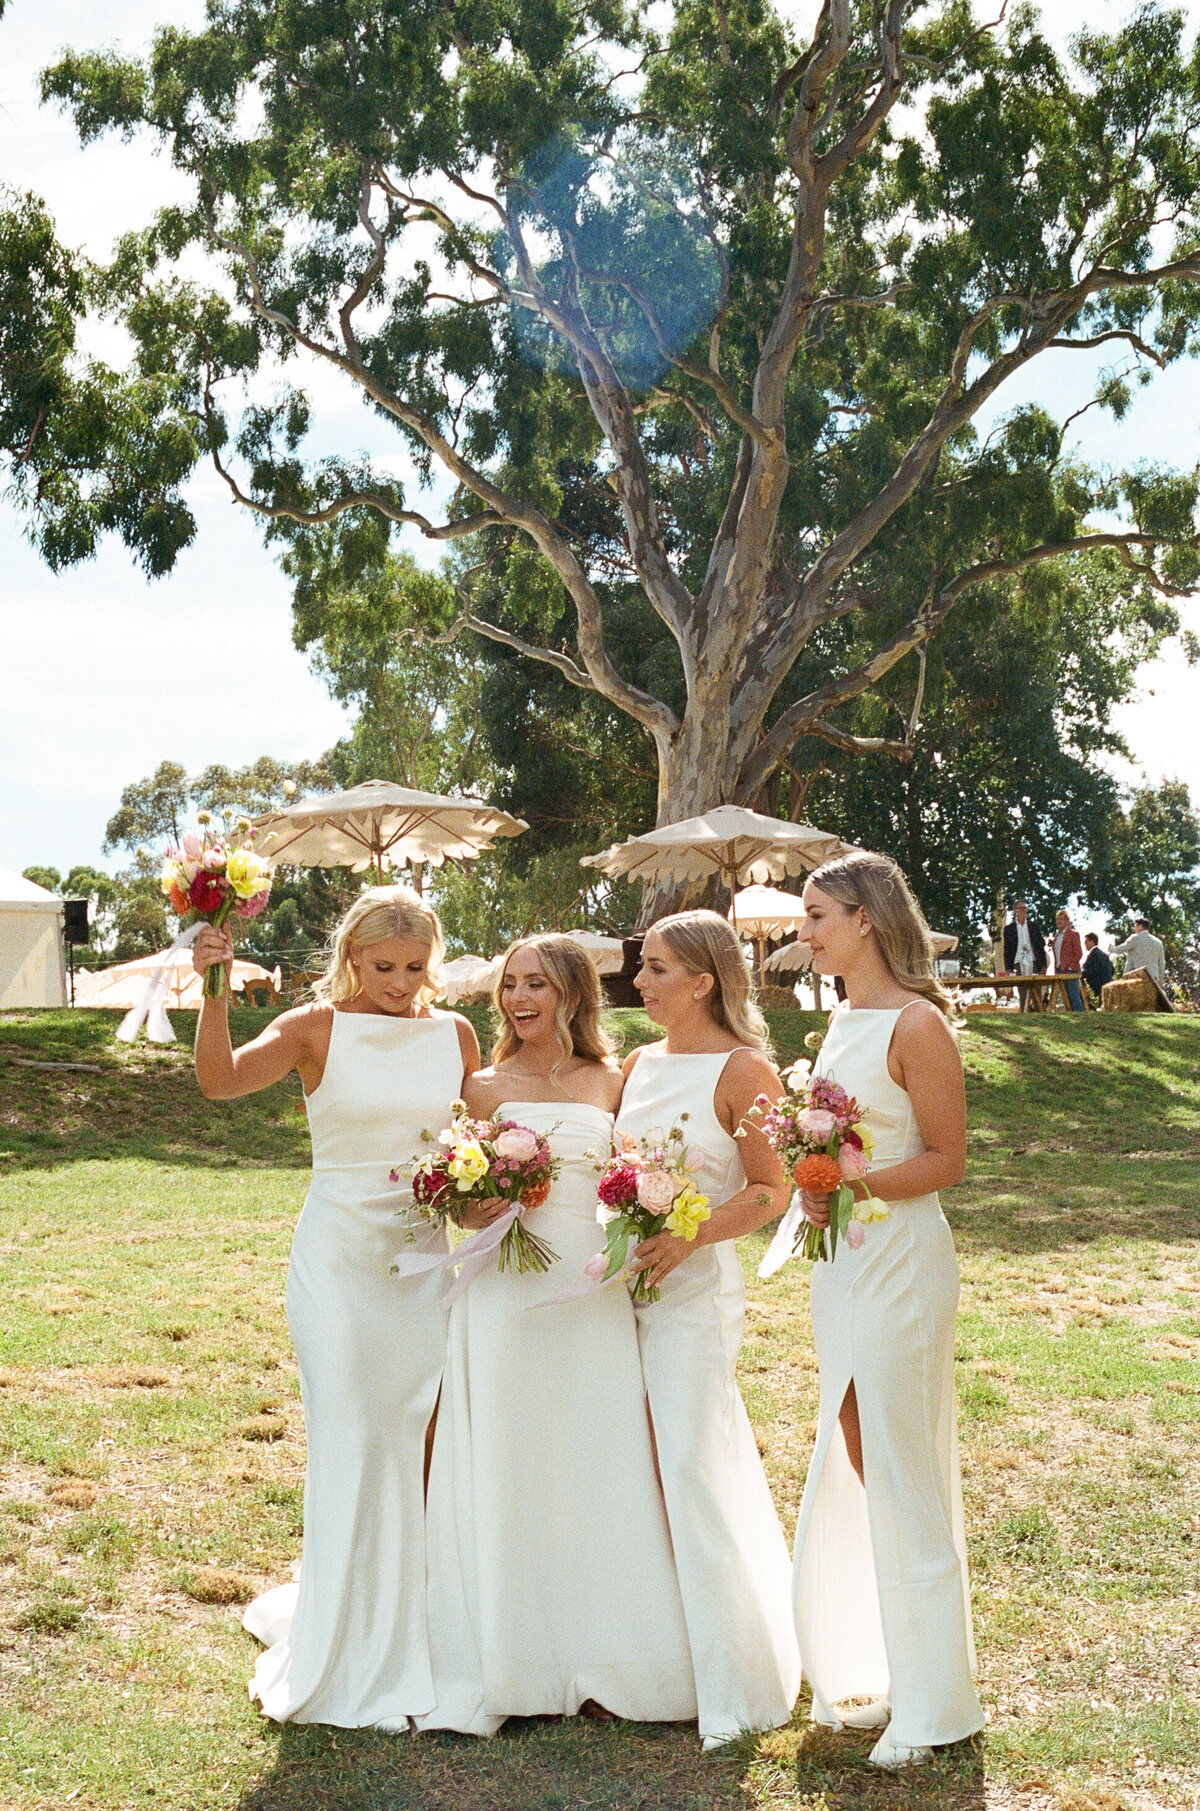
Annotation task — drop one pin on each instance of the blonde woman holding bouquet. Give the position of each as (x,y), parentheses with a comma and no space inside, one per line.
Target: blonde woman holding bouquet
(734,1570)
(552,1588)
(378,1065)
(882,1604)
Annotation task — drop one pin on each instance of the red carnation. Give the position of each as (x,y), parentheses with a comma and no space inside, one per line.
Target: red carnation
(427,1187)
(207,891)
(619,1187)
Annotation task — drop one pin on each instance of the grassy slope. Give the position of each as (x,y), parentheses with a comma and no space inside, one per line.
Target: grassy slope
(145,1234)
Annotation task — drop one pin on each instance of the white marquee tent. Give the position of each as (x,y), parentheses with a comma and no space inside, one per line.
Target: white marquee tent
(32,972)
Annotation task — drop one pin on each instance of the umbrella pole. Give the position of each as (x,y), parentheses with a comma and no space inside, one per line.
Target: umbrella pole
(733,894)
(418,874)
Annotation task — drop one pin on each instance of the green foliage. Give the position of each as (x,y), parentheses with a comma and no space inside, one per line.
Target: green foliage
(1154,869)
(697,333)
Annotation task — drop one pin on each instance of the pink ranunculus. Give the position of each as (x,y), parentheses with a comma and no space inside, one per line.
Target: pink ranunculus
(852,1162)
(656,1191)
(816,1123)
(854,1235)
(596,1266)
(520,1144)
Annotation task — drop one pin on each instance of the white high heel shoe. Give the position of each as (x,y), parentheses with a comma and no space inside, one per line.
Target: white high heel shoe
(892,1756)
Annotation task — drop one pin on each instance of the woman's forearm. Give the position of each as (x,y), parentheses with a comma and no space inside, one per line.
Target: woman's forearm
(923,1175)
(214,1049)
(746,1212)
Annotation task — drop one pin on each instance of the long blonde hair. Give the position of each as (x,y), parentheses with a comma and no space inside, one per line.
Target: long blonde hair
(569,969)
(378,914)
(878,885)
(707,944)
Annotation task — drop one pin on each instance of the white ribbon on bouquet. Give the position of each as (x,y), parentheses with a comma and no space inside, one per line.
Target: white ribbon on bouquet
(150,1009)
(590,1285)
(787,1237)
(471,1256)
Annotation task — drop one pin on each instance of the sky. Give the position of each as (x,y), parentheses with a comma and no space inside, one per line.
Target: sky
(103,674)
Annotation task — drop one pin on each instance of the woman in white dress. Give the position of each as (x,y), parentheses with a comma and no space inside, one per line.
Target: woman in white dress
(730,1550)
(551,1583)
(350,1646)
(882,1599)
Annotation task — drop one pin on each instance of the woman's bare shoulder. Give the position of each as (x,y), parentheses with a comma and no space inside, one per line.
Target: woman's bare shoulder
(631,1059)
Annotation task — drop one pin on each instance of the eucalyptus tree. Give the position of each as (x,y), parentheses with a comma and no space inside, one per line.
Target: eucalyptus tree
(689,325)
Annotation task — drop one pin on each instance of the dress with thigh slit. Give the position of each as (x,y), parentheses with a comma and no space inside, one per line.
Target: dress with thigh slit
(730,1550)
(349,1645)
(881,1590)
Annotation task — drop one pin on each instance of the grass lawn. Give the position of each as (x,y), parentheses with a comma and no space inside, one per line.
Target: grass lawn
(151,1450)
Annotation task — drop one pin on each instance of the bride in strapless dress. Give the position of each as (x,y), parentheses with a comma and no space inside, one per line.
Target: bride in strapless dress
(552,1586)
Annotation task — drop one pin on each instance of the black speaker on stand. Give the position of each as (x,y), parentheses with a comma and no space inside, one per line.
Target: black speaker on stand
(75,930)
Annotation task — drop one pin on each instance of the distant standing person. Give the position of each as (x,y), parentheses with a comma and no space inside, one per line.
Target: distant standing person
(1144,950)
(1068,956)
(1097,966)
(1024,948)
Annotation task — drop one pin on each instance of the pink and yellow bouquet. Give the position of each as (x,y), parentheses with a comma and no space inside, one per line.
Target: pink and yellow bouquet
(209,877)
(486,1160)
(645,1188)
(818,1134)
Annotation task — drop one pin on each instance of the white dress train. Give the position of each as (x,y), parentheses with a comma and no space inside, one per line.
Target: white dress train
(551,1579)
(730,1550)
(348,1645)
(881,1590)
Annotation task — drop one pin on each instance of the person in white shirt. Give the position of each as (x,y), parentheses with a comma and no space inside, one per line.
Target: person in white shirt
(1024,948)
(1144,950)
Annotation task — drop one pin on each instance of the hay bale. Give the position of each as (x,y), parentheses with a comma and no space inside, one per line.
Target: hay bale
(1133,993)
(777,999)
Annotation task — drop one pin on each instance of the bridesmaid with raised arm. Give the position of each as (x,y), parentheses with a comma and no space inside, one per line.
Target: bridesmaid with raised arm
(730,1550)
(552,1586)
(378,1066)
(882,1599)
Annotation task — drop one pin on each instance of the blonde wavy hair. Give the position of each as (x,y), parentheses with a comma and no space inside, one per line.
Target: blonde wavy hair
(378,914)
(707,944)
(878,885)
(568,968)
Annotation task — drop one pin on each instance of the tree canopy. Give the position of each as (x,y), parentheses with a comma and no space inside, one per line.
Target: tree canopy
(694,324)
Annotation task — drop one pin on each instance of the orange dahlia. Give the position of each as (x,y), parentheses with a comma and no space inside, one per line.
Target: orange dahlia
(817,1174)
(535,1195)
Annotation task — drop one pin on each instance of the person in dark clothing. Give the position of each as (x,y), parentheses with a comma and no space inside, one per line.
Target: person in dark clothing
(1097,967)
(1024,948)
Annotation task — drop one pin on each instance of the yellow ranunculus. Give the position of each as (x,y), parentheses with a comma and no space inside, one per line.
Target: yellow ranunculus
(689,1210)
(870,1211)
(246,873)
(468,1164)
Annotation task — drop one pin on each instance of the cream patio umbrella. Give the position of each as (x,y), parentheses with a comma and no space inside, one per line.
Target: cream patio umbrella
(737,844)
(467,978)
(765,913)
(794,958)
(378,821)
(125,982)
(608,953)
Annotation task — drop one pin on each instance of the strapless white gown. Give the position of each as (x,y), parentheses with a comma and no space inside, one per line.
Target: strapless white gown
(551,1578)
(349,1646)
(882,1599)
(731,1552)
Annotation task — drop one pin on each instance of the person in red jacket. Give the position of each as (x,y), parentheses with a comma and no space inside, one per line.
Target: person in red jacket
(1068,957)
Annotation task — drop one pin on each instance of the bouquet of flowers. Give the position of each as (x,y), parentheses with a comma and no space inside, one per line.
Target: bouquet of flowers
(486,1160)
(209,877)
(819,1136)
(645,1189)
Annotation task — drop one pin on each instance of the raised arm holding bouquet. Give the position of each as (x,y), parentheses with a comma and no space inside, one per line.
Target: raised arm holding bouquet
(209,879)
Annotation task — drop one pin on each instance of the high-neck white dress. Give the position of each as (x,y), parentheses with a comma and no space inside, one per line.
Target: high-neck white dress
(882,1599)
(350,1647)
(730,1550)
(551,1579)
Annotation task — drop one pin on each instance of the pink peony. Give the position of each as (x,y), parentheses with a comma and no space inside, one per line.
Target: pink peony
(520,1144)
(619,1187)
(816,1123)
(852,1162)
(854,1234)
(656,1190)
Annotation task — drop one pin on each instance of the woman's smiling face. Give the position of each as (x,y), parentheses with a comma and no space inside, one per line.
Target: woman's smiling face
(832,932)
(668,989)
(528,997)
(392,974)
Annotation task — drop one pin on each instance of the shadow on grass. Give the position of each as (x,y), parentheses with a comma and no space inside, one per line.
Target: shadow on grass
(536,1765)
(1062,1202)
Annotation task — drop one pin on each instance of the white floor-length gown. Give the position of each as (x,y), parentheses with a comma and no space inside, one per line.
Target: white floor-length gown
(551,1579)
(349,1646)
(730,1550)
(882,1599)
